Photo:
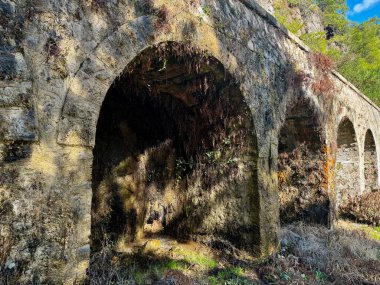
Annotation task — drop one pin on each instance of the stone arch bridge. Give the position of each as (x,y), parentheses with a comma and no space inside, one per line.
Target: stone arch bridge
(188,117)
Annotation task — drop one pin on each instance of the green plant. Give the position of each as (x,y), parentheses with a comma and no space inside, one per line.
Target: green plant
(294,2)
(187,211)
(207,10)
(320,276)
(230,276)
(285,276)
(227,141)
(213,280)
(213,157)
(361,63)
(286,246)
(175,265)
(182,166)
(283,13)
(316,41)
(193,257)
(334,14)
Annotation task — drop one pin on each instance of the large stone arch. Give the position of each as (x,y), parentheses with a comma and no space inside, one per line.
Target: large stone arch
(86,93)
(98,70)
(175,152)
(371,173)
(99,67)
(347,166)
(301,163)
(77,127)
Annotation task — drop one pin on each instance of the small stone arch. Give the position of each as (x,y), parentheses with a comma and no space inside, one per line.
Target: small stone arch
(370,163)
(302,156)
(175,152)
(347,169)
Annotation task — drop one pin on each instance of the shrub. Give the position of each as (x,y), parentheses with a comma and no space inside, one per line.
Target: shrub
(323,86)
(322,62)
(365,209)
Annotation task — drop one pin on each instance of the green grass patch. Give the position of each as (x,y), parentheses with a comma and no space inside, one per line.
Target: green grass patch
(374,233)
(320,276)
(196,258)
(156,271)
(229,276)
(175,265)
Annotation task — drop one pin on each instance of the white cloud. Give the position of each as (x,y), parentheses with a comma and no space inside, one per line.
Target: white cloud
(365,5)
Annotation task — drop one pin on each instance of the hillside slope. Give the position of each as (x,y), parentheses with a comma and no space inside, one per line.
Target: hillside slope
(324,27)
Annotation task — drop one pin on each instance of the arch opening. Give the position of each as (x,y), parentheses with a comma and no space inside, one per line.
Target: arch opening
(175,153)
(370,163)
(347,163)
(301,160)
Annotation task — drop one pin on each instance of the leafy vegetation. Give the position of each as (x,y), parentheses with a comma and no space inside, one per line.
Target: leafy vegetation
(230,276)
(361,64)
(333,14)
(355,48)
(193,257)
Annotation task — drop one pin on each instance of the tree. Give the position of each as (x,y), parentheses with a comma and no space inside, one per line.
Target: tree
(361,63)
(334,14)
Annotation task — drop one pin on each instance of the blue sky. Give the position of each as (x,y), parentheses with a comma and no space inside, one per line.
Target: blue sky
(361,10)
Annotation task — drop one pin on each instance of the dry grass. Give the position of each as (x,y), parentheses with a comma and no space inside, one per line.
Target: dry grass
(105,269)
(301,192)
(170,263)
(323,86)
(344,256)
(322,62)
(372,232)
(309,255)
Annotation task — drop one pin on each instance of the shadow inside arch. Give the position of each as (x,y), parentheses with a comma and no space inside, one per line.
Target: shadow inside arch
(175,153)
(302,162)
(371,173)
(347,172)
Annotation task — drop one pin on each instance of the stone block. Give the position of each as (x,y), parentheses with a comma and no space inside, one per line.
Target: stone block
(18,124)
(12,65)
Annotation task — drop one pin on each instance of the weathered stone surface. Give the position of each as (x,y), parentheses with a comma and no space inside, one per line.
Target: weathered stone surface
(58,59)
(12,66)
(17,124)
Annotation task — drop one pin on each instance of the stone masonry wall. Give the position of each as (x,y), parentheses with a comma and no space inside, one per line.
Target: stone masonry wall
(59,58)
